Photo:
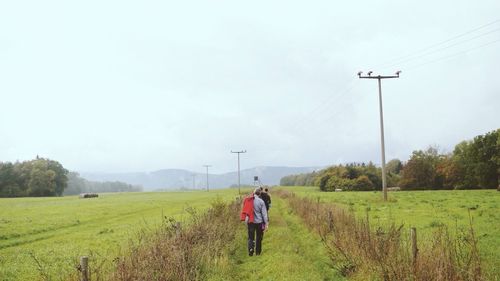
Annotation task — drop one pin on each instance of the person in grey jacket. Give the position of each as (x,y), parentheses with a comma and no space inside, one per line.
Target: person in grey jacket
(258,226)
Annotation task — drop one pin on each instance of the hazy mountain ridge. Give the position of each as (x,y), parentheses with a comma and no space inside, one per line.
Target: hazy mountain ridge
(178,178)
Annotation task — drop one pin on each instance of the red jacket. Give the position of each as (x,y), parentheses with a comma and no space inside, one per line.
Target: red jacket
(247,209)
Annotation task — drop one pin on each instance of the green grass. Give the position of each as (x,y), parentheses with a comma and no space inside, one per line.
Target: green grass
(289,252)
(427,210)
(56,231)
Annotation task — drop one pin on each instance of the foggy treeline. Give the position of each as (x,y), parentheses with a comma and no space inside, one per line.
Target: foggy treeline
(77,185)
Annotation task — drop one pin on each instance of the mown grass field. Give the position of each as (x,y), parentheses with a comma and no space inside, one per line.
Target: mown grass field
(428,210)
(56,231)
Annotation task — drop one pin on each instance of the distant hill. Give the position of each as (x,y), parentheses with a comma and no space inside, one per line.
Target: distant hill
(176,178)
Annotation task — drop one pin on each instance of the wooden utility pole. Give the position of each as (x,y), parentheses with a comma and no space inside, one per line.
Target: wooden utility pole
(207,166)
(239,183)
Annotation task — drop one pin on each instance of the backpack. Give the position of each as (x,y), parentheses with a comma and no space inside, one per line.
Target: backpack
(247,209)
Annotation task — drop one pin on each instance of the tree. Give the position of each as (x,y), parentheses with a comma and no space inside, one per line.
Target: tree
(363,183)
(38,177)
(420,171)
(394,166)
(61,176)
(478,161)
(473,164)
(42,182)
(77,185)
(323,180)
(8,183)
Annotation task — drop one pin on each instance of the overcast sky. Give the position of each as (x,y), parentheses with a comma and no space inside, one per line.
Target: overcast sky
(121,86)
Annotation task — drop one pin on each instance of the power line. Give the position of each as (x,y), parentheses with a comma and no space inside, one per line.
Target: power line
(437,44)
(321,105)
(447,47)
(424,64)
(406,58)
(443,48)
(453,55)
(324,105)
(333,114)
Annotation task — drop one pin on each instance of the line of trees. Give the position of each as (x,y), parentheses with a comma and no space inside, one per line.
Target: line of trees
(353,176)
(38,177)
(77,185)
(473,164)
(44,177)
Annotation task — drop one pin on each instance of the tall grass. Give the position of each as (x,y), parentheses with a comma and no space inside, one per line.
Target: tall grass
(177,252)
(182,254)
(357,248)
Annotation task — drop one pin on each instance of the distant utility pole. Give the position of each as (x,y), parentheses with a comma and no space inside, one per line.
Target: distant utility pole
(207,166)
(379,78)
(239,184)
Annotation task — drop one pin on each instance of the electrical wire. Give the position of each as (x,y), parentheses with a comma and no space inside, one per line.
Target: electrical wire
(437,44)
(323,105)
(327,108)
(453,55)
(320,109)
(444,48)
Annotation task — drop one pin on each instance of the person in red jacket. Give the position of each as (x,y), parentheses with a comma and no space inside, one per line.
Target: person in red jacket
(254,213)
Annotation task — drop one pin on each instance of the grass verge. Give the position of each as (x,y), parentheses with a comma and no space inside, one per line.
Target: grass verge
(289,252)
(360,250)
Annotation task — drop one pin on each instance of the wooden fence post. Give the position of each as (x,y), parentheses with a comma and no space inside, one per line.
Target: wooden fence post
(317,209)
(177,228)
(330,220)
(414,248)
(84,267)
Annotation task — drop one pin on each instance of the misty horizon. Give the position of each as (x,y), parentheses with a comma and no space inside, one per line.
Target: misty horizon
(129,87)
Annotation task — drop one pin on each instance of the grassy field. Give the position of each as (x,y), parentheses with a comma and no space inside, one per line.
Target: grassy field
(427,210)
(45,236)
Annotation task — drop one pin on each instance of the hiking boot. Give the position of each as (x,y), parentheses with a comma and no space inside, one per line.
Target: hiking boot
(250,252)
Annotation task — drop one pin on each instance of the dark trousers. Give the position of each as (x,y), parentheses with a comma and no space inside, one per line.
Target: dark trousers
(253,229)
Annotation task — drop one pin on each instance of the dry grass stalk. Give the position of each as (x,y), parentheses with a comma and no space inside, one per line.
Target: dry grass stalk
(182,254)
(174,252)
(355,246)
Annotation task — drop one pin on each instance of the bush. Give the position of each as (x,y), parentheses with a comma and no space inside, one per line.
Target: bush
(340,183)
(363,183)
(323,180)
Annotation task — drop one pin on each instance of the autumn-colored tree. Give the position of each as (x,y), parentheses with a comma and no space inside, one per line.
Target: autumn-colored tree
(448,173)
(420,171)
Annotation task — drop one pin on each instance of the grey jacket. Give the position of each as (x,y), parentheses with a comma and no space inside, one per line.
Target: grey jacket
(259,211)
